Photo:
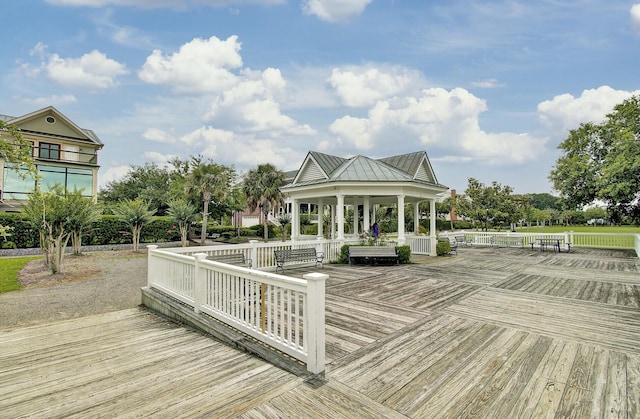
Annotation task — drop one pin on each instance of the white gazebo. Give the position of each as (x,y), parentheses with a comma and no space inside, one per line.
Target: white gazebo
(333,181)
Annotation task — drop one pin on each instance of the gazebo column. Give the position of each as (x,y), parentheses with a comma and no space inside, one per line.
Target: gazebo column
(416,217)
(340,216)
(401,238)
(320,218)
(365,214)
(432,226)
(333,222)
(356,227)
(295,220)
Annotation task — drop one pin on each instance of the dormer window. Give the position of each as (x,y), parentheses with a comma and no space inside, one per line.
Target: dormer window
(49,151)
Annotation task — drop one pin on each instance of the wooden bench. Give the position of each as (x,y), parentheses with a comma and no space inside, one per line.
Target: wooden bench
(307,254)
(237,259)
(373,253)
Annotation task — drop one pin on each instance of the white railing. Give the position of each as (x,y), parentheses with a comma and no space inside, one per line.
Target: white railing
(636,244)
(285,313)
(577,239)
(420,245)
(262,254)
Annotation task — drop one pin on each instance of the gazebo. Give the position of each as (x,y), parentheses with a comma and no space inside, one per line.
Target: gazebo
(327,180)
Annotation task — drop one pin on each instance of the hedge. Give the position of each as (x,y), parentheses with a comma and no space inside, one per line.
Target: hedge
(404,253)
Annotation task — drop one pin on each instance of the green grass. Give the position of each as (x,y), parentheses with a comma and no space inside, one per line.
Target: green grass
(581,229)
(9,268)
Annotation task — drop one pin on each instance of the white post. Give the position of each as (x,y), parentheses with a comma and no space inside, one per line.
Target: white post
(356,228)
(150,265)
(199,282)
(295,220)
(254,253)
(333,222)
(320,218)
(401,238)
(416,217)
(432,226)
(340,216)
(365,213)
(315,322)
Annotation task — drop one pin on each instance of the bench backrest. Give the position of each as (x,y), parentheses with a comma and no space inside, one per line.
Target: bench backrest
(231,258)
(307,252)
(372,251)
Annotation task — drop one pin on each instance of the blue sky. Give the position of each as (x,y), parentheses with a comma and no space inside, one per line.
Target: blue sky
(488,88)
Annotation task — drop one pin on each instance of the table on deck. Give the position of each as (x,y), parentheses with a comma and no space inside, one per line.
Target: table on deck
(556,243)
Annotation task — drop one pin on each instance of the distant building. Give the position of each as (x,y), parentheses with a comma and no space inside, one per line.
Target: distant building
(63,152)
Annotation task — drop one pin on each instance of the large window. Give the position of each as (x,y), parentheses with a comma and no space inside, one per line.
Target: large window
(17,188)
(49,151)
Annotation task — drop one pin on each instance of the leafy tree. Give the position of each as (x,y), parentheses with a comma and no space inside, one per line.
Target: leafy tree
(602,162)
(488,205)
(262,189)
(150,183)
(82,213)
(183,213)
(15,149)
(135,213)
(51,214)
(545,200)
(209,181)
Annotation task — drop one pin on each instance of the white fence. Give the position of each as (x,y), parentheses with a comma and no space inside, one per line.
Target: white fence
(282,312)
(576,239)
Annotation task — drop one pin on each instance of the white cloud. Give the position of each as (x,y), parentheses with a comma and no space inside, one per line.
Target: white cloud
(114,173)
(200,66)
(486,84)
(334,10)
(158,157)
(443,119)
(158,135)
(55,100)
(364,86)
(635,17)
(566,112)
(93,70)
(251,106)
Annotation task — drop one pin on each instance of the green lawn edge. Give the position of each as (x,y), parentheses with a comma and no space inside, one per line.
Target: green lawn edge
(9,268)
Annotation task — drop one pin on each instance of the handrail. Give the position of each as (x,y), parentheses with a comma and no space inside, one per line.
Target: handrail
(285,313)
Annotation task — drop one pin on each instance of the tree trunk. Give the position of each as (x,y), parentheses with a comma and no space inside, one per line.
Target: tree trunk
(205,214)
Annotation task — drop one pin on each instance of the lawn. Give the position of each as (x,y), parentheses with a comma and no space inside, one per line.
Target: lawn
(582,229)
(9,268)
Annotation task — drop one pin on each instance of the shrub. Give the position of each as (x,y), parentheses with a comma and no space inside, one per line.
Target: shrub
(9,245)
(404,254)
(443,248)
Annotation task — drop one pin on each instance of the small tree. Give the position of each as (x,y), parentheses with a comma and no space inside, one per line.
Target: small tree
(135,213)
(284,220)
(82,213)
(50,213)
(15,149)
(183,213)
(262,189)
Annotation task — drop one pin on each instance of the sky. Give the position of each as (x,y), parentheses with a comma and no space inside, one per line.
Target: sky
(488,89)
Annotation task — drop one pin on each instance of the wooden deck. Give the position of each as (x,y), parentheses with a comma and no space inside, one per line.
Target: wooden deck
(500,333)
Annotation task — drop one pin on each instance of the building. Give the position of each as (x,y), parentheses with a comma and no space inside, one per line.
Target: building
(63,152)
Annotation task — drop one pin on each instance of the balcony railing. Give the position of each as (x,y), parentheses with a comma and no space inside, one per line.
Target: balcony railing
(66,156)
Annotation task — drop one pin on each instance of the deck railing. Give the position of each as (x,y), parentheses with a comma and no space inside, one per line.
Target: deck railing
(282,312)
(577,239)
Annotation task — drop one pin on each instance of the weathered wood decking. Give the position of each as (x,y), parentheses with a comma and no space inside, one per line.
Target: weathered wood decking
(499,333)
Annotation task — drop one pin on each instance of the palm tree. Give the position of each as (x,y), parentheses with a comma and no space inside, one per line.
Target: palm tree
(183,213)
(209,181)
(262,188)
(135,213)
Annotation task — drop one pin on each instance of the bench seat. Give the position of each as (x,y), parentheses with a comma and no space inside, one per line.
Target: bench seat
(373,253)
(302,255)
